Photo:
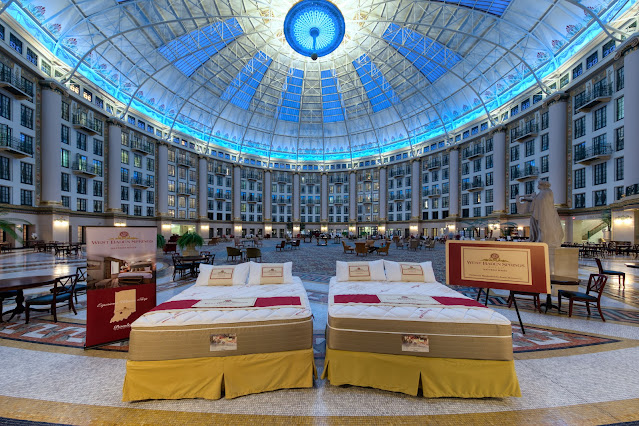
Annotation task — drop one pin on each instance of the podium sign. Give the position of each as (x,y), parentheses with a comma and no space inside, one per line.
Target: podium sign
(499,265)
(121,274)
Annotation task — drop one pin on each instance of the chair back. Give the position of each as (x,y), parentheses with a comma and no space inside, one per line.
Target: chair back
(599,266)
(81,273)
(177,261)
(253,253)
(210,258)
(64,284)
(384,248)
(596,284)
(414,244)
(232,251)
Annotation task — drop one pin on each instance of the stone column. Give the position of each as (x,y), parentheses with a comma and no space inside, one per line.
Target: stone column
(267,196)
(499,171)
(415,190)
(558,166)
(324,199)
(352,195)
(453,185)
(113,166)
(296,197)
(162,182)
(203,186)
(51,190)
(237,189)
(631,124)
(383,192)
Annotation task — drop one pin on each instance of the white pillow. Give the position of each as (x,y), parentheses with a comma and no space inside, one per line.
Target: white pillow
(222,274)
(409,272)
(270,273)
(360,271)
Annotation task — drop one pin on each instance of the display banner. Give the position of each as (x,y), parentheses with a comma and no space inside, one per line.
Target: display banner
(121,275)
(501,265)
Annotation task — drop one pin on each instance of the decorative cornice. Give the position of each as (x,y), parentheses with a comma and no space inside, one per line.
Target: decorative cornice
(556,97)
(629,45)
(116,122)
(54,85)
(497,129)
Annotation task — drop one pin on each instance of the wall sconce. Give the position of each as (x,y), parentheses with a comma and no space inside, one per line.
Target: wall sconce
(238,229)
(268,229)
(296,229)
(624,219)
(204,227)
(520,228)
(351,228)
(324,228)
(381,229)
(166,226)
(120,224)
(61,222)
(413,228)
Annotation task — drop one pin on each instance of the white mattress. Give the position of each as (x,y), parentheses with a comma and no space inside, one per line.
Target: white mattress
(230,315)
(145,275)
(459,314)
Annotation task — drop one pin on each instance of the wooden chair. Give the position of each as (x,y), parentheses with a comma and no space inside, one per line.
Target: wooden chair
(81,273)
(360,248)
(253,253)
(296,244)
(414,245)
(596,284)
(280,246)
(170,248)
(369,243)
(12,294)
(61,292)
(430,245)
(233,253)
(384,249)
(347,248)
(621,276)
(399,244)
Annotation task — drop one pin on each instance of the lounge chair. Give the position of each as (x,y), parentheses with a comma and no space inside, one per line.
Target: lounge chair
(347,248)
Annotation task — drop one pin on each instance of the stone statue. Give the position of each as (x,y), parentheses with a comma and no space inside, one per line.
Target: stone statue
(545,226)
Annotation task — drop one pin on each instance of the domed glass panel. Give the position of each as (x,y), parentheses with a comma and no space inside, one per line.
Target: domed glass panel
(314,27)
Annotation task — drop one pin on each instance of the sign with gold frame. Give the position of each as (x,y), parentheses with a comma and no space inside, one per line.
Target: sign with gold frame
(499,265)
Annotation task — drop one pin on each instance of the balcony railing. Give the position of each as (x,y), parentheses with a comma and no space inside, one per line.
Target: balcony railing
(250,175)
(15,147)
(366,177)
(221,170)
(184,160)
(20,89)
(338,179)
(141,182)
(434,163)
(435,192)
(592,154)
(399,171)
(632,190)
(222,196)
(84,169)
(365,200)
(282,200)
(141,146)
(89,125)
(251,198)
(282,179)
(399,196)
(472,152)
(183,190)
(598,94)
(475,185)
(313,180)
(529,172)
(339,200)
(530,130)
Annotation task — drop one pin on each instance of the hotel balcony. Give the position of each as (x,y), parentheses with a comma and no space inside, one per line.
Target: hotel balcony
(339,200)
(223,171)
(399,171)
(89,125)
(250,175)
(222,196)
(17,87)
(143,147)
(592,154)
(598,95)
(282,179)
(282,200)
(530,130)
(471,152)
(84,169)
(184,160)
(433,164)
(476,185)
(140,183)
(528,173)
(15,147)
(434,193)
(338,180)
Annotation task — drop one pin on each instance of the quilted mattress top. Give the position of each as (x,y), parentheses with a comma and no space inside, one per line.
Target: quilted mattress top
(406,312)
(230,315)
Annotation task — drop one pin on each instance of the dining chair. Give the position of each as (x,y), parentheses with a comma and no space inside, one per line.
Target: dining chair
(384,249)
(360,248)
(280,246)
(81,274)
(233,253)
(62,291)
(347,248)
(253,253)
(621,276)
(11,294)
(179,266)
(596,284)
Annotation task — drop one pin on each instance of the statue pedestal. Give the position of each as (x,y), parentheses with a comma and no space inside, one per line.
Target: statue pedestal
(563,262)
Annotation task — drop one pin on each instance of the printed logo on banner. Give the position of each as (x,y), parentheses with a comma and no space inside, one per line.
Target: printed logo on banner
(121,280)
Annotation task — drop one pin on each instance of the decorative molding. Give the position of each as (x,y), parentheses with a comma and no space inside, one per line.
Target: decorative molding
(629,45)
(556,97)
(54,85)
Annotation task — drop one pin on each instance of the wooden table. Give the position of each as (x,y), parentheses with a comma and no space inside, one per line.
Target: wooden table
(21,283)
(633,265)
(193,262)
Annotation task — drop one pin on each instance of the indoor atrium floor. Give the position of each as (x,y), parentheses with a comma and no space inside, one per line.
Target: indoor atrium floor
(576,370)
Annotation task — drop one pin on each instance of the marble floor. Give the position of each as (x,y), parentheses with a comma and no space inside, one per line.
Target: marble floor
(576,370)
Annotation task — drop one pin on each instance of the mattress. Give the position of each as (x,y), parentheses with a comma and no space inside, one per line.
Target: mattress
(142,274)
(215,321)
(418,319)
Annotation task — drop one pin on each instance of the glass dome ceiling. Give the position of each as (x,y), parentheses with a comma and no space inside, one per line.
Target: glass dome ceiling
(406,72)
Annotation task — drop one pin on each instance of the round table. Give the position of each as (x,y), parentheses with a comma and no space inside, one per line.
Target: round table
(633,265)
(21,283)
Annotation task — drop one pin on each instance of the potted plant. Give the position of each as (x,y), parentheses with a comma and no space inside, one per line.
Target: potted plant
(161,241)
(188,242)
(606,218)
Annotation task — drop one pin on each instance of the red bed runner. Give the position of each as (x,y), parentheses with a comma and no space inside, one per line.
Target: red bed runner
(261,302)
(373,299)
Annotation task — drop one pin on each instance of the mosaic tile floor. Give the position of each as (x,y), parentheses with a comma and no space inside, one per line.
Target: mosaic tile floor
(575,370)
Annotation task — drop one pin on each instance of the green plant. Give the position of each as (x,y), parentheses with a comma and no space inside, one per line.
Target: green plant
(606,218)
(8,225)
(190,238)
(161,241)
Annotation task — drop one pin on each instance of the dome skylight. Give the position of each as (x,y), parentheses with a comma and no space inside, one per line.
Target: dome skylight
(314,28)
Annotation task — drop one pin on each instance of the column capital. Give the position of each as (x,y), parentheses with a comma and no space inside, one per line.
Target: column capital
(497,129)
(556,97)
(54,85)
(202,157)
(114,121)
(453,148)
(629,45)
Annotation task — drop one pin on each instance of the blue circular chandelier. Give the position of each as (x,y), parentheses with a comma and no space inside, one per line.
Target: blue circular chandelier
(314,28)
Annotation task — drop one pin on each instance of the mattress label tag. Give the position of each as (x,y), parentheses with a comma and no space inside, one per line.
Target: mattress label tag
(223,342)
(358,271)
(409,299)
(236,302)
(415,343)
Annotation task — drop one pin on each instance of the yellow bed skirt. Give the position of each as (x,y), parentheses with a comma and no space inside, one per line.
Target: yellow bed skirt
(206,377)
(439,377)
